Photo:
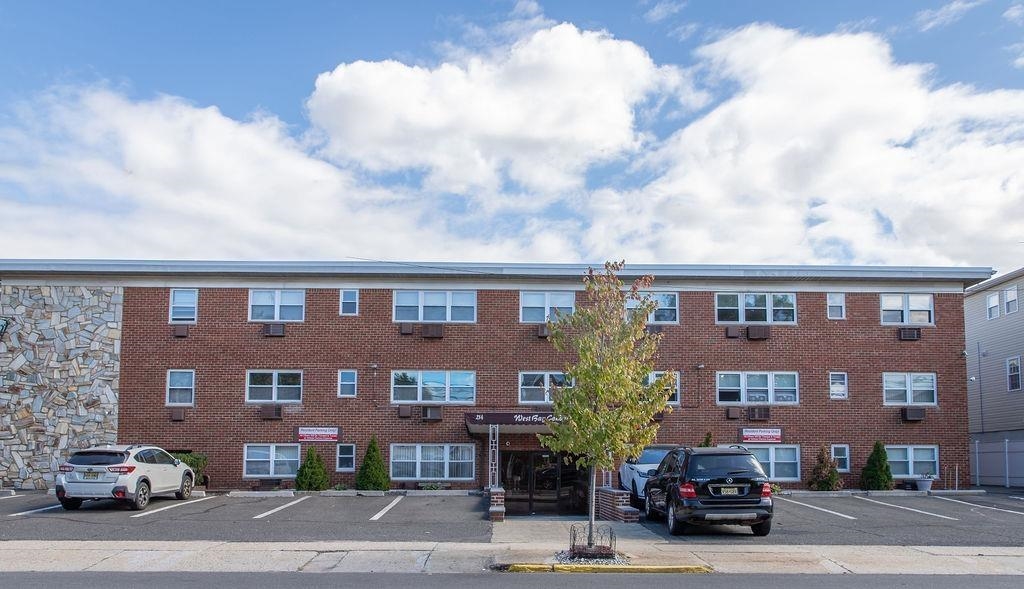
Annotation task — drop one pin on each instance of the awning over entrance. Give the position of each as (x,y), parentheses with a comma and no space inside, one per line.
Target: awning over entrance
(509,423)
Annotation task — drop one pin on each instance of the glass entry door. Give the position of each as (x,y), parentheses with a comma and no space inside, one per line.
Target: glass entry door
(540,482)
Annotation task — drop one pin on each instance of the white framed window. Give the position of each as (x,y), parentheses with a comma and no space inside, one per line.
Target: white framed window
(348,300)
(907,309)
(836,305)
(992,305)
(667,310)
(184,305)
(273,386)
(347,380)
(781,463)
(673,398)
(838,386)
(181,387)
(453,462)
(1010,299)
(277,305)
(909,388)
(755,307)
(841,454)
(435,306)
(535,387)
(913,461)
(1013,373)
(758,388)
(346,458)
(271,461)
(537,307)
(433,386)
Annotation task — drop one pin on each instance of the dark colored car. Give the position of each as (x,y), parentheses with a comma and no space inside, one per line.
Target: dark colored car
(710,486)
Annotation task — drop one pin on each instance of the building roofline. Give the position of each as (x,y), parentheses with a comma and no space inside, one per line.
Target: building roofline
(997,281)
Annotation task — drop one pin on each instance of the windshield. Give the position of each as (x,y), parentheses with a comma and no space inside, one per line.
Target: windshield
(652,456)
(725,464)
(96,458)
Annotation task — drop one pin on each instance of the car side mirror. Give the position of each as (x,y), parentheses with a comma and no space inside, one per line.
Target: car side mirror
(652,472)
(177,462)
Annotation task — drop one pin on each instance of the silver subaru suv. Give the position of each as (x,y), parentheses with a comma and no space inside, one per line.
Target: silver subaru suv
(127,473)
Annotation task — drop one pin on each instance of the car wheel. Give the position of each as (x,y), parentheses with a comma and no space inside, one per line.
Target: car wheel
(762,528)
(674,526)
(185,491)
(649,512)
(634,496)
(141,497)
(71,504)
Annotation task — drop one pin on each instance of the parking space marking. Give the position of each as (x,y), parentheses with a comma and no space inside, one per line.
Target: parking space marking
(35,510)
(381,513)
(152,511)
(276,509)
(981,506)
(1012,497)
(11,496)
(906,508)
(818,508)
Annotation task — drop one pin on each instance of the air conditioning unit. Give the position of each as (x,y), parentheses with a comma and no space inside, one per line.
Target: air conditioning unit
(177,414)
(270,412)
(179,331)
(273,329)
(912,414)
(732,331)
(759,413)
(431,412)
(543,331)
(759,332)
(432,331)
(654,328)
(404,411)
(908,334)
(733,412)
(405,328)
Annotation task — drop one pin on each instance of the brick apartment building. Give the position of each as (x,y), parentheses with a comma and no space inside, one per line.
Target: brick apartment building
(448,364)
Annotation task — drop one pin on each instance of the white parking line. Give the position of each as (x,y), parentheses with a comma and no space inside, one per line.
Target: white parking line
(276,509)
(35,510)
(818,508)
(981,506)
(11,496)
(906,508)
(1012,497)
(381,513)
(152,511)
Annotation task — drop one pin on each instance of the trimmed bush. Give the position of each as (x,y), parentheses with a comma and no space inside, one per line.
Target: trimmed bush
(312,475)
(373,473)
(825,476)
(877,476)
(196,461)
(708,441)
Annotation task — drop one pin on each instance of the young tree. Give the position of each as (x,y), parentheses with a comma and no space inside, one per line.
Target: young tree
(825,476)
(312,475)
(708,441)
(877,475)
(607,412)
(373,473)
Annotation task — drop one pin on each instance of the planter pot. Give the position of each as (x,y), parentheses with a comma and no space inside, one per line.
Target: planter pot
(924,484)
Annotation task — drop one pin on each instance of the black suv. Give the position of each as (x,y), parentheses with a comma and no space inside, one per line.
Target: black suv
(706,486)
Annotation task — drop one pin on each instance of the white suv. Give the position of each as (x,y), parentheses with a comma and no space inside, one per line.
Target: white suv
(128,473)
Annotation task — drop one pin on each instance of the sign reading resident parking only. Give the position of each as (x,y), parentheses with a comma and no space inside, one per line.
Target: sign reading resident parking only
(318,434)
(762,434)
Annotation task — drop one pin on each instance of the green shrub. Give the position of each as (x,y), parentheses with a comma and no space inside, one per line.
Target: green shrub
(373,473)
(312,475)
(825,476)
(196,461)
(877,476)
(708,441)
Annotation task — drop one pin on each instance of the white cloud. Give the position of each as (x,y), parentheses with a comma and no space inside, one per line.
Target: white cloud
(945,15)
(663,10)
(684,31)
(1018,49)
(1015,14)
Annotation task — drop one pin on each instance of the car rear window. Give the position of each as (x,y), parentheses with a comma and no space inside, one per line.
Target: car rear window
(725,464)
(96,458)
(652,456)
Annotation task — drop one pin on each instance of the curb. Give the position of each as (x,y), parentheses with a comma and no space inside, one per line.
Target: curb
(605,568)
(7,492)
(261,494)
(351,493)
(895,493)
(953,493)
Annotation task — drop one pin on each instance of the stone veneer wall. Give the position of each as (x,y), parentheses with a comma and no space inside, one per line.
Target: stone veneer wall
(59,377)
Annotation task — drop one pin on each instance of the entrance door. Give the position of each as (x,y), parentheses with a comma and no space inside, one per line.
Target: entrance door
(540,482)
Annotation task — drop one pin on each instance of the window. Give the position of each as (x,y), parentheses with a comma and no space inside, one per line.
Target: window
(432,461)
(535,387)
(673,398)
(837,386)
(346,458)
(775,388)
(435,306)
(1013,374)
(755,308)
(346,383)
(913,461)
(907,309)
(181,387)
(836,305)
(271,460)
(781,463)
(667,310)
(274,386)
(349,302)
(909,388)
(841,454)
(1010,299)
(277,305)
(183,305)
(992,304)
(433,386)
(537,307)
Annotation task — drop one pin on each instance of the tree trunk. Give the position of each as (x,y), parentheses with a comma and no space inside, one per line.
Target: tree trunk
(593,496)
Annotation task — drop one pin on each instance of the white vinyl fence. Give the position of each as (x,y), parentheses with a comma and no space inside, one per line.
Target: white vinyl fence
(998,463)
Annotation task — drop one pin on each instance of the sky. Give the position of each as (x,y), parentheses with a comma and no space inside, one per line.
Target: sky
(655,131)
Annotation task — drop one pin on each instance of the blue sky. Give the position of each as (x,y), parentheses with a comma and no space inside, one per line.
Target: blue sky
(658,131)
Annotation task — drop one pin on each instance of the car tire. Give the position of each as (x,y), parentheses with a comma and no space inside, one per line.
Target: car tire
(70,504)
(675,527)
(634,496)
(185,491)
(649,511)
(762,528)
(141,499)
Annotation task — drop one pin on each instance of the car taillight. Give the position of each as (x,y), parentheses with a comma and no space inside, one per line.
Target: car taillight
(766,490)
(686,491)
(67,468)
(121,469)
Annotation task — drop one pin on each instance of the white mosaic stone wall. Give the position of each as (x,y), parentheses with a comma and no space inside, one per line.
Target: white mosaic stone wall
(59,373)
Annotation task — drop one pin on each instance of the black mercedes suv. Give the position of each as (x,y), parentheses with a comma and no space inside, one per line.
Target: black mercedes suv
(706,486)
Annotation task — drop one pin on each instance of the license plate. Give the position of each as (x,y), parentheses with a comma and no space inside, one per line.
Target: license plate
(91,476)
(730,491)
